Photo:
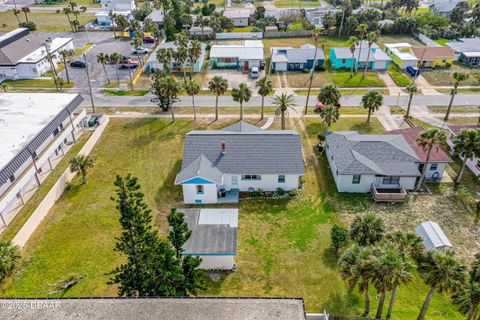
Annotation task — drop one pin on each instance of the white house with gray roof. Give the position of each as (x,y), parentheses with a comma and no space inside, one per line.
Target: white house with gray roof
(295,59)
(218,164)
(360,162)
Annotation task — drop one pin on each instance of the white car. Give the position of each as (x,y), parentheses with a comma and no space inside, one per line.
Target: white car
(140,50)
(254,73)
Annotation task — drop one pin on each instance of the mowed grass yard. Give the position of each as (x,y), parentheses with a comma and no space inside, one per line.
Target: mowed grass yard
(283,247)
(443,76)
(46,21)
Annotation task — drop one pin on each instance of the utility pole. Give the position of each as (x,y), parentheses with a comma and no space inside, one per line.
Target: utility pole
(130,76)
(89,83)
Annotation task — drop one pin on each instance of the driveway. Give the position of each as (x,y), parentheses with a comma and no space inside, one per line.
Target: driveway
(234,77)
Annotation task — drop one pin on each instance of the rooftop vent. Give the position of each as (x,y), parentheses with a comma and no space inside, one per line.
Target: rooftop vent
(223,147)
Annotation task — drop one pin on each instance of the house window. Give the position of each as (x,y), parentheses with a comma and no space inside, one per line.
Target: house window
(281,178)
(344,61)
(55,132)
(200,189)
(251,177)
(356,179)
(433,166)
(391,180)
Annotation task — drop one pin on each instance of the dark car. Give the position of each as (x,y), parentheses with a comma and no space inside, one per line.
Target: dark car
(148,39)
(77,64)
(412,71)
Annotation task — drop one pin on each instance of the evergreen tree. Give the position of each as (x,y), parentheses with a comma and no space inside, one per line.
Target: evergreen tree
(179,232)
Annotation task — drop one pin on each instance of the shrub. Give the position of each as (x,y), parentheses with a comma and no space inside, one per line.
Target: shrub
(30,25)
(448,64)
(9,258)
(293,193)
(306,70)
(280,192)
(256,29)
(321,137)
(339,236)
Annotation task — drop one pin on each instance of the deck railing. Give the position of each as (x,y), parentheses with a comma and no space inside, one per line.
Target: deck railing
(381,196)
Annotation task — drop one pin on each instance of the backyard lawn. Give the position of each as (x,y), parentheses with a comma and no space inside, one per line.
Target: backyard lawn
(296,3)
(443,76)
(341,78)
(46,21)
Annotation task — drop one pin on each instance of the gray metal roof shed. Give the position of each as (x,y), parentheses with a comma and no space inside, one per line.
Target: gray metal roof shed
(433,236)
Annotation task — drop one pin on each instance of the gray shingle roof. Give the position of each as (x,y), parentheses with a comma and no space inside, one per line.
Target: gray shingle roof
(361,55)
(200,167)
(445,6)
(22,45)
(465,45)
(373,154)
(247,152)
(241,126)
(296,55)
(214,231)
(432,235)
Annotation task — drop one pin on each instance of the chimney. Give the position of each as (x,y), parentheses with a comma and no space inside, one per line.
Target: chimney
(223,147)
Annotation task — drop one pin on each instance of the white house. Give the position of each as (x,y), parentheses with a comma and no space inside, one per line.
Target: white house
(218,164)
(472,164)
(382,163)
(242,57)
(214,237)
(316,15)
(119,7)
(153,64)
(433,236)
(239,17)
(23,55)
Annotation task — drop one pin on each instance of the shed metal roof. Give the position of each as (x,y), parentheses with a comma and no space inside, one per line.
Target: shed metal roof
(433,236)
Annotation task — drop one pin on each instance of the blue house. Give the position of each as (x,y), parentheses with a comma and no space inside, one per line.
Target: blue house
(341,57)
(296,59)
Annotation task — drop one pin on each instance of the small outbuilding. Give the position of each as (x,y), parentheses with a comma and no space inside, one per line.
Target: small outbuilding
(213,238)
(433,236)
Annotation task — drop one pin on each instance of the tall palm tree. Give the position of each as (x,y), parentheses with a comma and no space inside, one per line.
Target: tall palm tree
(329,94)
(64,54)
(366,229)
(26,11)
(316,37)
(103,58)
(16,13)
(372,100)
(9,258)
(406,242)
(202,23)
(362,30)
(241,94)
(194,53)
(345,6)
(412,89)
(192,88)
(115,59)
(170,89)
(282,103)
(468,297)
(81,164)
(457,77)
(356,267)
(429,139)
(329,114)
(352,42)
(217,86)
(165,57)
(265,87)
(371,38)
(113,17)
(181,56)
(443,272)
(466,144)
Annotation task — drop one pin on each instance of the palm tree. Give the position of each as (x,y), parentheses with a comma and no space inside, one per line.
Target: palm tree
(16,13)
(113,18)
(367,229)
(411,89)
(458,77)
(345,6)
(329,94)
(4,87)
(443,272)
(265,87)
(103,58)
(115,59)
(26,11)
(165,57)
(352,42)
(81,163)
(65,53)
(371,38)
(466,144)
(362,30)
(316,37)
(372,100)
(329,114)
(170,89)
(241,94)
(218,86)
(194,52)
(282,103)
(429,139)
(181,55)
(356,267)
(406,242)
(468,297)
(9,258)
(192,88)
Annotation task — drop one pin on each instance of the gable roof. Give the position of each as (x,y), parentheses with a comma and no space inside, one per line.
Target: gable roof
(361,55)
(445,6)
(296,55)
(432,235)
(236,13)
(247,151)
(411,135)
(214,231)
(241,126)
(250,50)
(432,53)
(465,45)
(372,154)
(18,44)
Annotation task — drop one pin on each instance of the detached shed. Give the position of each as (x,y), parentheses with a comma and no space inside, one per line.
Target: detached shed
(433,236)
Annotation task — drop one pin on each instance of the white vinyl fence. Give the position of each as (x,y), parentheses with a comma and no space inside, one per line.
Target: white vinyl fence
(239,35)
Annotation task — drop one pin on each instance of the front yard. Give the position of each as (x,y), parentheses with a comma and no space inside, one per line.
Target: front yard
(443,76)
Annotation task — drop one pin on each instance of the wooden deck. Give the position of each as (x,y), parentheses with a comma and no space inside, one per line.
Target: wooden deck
(397,194)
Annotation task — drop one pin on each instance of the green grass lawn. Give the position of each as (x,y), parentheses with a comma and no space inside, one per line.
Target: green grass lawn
(86,3)
(400,78)
(296,3)
(455,109)
(344,92)
(243,29)
(341,78)
(35,83)
(442,41)
(110,92)
(46,21)
(443,76)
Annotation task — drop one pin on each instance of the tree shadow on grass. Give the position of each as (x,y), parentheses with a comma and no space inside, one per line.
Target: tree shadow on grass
(343,303)
(330,258)
(169,194)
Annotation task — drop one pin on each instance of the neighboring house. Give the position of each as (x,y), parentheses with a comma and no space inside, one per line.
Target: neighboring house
(23,55)
(295,59)
(214,237)
(239,17)
(119,7)
(201,33)
(316,15)
(153,64)
(444,8)
(157,16)
(401,54)
(35,131)
(341,57)
(242,57)
(431,57)
(466,50)
(218,164)
(381,163)
(438,158)
(433,236)
(472,164)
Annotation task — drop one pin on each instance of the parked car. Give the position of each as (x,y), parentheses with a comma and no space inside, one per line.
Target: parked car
(128,64)
(77,64)
(140,50)
(412,71)
(148,39)
(254,73)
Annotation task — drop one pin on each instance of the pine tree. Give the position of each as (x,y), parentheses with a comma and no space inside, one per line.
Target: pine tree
(179,232)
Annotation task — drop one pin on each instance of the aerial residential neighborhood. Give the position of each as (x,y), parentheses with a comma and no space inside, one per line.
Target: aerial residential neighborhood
(240,159)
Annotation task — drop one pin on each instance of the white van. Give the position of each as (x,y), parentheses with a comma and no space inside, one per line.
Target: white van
(254,73)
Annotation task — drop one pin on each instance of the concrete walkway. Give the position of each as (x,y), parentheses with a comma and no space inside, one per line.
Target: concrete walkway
(392,87)
(425,87)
